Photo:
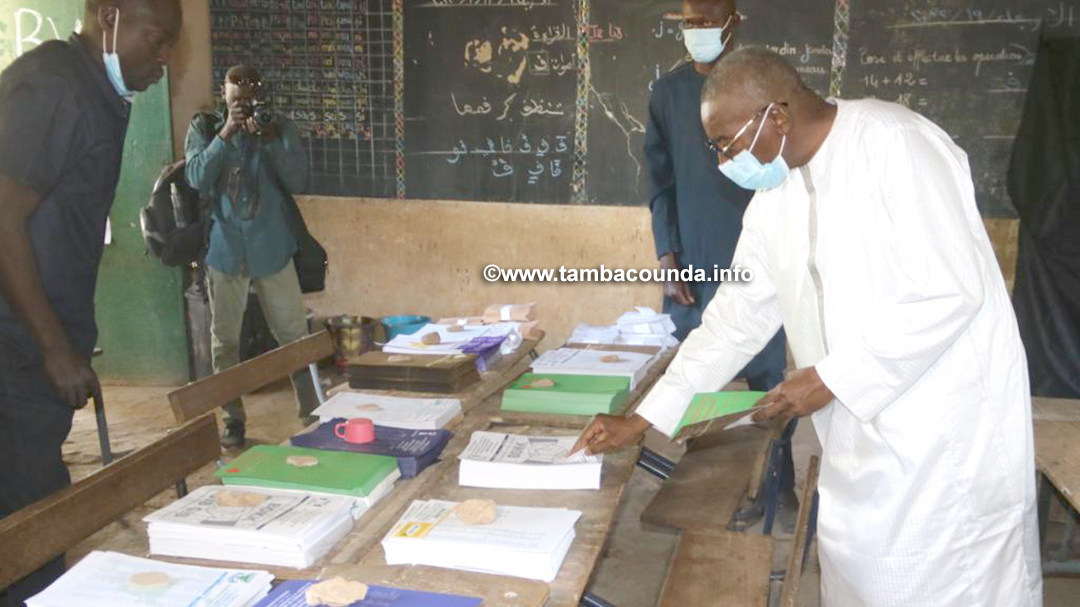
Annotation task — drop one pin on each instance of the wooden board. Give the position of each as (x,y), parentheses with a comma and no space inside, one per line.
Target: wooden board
(802,530)
(707,486)
(1056,409)
(598,512)
(494,411)
(1057,454)
(501,375)
(497,591)
(721,569)
(210,393)
(48,528)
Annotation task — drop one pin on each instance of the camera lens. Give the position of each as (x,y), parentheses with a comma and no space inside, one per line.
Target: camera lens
(263,115)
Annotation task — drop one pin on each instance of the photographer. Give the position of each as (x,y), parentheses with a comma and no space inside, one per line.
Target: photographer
(248,162)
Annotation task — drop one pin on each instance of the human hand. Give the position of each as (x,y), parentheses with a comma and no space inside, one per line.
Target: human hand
(71,375)
(800,395)
(611,433)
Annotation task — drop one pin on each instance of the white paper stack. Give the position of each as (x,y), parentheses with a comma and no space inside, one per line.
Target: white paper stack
(574,361)
(110,579)
(514,461)
(642,327)
(522,542)
(392,411)
(286,529)
(451,338)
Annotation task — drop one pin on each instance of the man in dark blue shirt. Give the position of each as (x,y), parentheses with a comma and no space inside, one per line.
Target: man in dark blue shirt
(696,210)
(64,110)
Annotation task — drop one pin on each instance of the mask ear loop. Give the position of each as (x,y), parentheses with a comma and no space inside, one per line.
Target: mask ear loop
(760,126)
(724,30)
(116,28)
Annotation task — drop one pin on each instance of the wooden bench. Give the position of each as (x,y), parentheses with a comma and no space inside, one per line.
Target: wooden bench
(206,395)
(48,528)
(709,482)
(715,567)
(1057,457)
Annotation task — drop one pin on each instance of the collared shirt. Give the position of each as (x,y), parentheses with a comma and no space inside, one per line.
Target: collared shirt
(250,183)
(696,210)
(62,129)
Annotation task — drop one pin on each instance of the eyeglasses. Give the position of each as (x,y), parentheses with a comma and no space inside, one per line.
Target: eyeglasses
(717,144)
(247,81)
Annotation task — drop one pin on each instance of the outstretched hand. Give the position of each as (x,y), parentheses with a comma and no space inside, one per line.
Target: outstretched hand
(800,395)
(611,433)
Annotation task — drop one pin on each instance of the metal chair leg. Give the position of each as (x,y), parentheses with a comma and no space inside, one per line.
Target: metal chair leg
(103,433)
(320,394)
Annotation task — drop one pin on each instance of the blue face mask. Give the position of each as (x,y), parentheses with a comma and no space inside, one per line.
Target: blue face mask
(705,45)
(748,172)
(112,64)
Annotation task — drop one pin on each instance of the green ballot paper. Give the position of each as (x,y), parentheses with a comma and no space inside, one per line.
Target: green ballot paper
(282,467)
(715,409)
(566,394)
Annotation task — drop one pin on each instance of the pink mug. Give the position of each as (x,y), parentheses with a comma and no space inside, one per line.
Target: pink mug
(358,430)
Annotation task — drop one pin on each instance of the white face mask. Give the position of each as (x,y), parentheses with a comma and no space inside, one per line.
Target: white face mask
(112,64)
(705,45)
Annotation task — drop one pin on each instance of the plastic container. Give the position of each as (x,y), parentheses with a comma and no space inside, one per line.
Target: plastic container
(403,325)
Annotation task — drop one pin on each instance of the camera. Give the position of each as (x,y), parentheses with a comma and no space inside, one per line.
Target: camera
(262,113)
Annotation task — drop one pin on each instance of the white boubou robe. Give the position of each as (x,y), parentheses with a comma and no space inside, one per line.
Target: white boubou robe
(875,259)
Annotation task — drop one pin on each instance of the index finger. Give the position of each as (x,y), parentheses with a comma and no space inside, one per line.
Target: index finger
(586,437)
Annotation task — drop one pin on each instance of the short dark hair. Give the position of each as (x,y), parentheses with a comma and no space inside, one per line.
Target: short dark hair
(757,75)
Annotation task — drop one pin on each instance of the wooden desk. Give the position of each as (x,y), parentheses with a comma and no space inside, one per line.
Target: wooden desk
(501,375)
(492,408)
(1057,455)
(360,556)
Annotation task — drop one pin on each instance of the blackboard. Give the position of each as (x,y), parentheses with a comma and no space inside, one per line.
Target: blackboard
(966,68)
(329,65)
(545,101)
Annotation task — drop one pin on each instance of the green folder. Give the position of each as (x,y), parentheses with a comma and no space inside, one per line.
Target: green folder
(340,472)
(571,394)
(708,406)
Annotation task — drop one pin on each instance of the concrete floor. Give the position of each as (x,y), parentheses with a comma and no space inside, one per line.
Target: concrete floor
(631,570)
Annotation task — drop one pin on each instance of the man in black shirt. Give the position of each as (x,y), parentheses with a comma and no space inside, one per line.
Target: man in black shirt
(64,110)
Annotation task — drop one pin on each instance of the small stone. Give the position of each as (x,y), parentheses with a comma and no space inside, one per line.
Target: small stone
(541,383)
(336,592)
(150,579)
(398,358)
(229,498)
(369,407)
(302,461)
(476,512)
(431,339)
(455,328)
(611,358)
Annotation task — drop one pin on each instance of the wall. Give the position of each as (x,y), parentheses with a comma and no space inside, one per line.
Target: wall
(389,256)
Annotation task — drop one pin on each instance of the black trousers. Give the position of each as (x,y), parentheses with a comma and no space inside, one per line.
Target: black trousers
(34,423)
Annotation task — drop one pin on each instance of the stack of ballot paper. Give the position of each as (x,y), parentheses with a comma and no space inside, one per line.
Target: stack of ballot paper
(250,525)
(642,327)
(575,361)
(566,394)
(513,461)
(393,411)
(414,450)
(717,410)
(293,593)
(110,579)
(446,373)
(364,477)
(521,542)
(450,338)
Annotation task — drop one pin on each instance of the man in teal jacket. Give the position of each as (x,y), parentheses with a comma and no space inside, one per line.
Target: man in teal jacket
(248,162)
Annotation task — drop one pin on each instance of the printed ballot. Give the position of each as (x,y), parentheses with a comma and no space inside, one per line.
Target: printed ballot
(521,542)
(513,461)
